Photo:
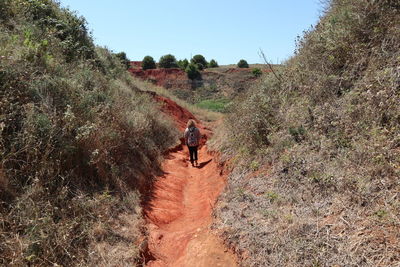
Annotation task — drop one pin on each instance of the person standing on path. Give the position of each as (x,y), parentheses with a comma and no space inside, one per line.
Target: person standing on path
(192,140)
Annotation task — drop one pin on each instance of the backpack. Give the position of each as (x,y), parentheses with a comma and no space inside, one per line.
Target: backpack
(192,139)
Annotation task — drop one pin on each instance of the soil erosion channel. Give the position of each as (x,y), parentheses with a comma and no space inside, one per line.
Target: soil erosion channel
(179,213)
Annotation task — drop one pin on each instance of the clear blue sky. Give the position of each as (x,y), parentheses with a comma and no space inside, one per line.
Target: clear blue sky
(221,29)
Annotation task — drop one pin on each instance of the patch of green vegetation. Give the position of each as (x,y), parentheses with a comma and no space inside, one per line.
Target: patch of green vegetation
(298,133)
(240,192)
(256,72)
(254,165)
(271,195)
(218,105)
(381,214)
(270,214)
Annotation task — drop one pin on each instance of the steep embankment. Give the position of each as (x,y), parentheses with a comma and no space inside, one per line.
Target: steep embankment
(78,142)
(323,138)
(179,212)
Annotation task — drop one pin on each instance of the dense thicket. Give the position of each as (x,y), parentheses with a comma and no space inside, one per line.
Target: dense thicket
(324,136)
(77,141)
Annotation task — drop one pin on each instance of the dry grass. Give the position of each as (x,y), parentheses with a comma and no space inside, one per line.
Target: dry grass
(79,143)
(316,156)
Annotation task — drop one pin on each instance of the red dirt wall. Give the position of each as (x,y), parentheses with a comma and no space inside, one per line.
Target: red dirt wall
(161,77)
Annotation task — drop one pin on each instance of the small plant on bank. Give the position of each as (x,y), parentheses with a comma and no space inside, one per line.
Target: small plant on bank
(254,165)
(148,63)
(298,133)
(242,64)
(168,62)
(256,72)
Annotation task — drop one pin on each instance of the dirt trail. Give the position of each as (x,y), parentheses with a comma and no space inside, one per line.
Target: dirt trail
(179,214)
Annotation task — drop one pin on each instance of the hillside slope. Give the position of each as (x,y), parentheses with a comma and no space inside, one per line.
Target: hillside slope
(315,151)
(79,143)
(216,85)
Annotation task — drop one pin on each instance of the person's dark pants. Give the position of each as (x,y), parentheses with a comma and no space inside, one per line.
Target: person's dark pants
(192,153)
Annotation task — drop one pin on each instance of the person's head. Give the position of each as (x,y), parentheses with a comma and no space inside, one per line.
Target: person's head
(191,123)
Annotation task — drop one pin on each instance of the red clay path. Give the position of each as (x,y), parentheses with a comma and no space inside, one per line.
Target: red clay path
(179,214)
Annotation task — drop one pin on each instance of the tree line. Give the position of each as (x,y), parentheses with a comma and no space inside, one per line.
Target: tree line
(192,67)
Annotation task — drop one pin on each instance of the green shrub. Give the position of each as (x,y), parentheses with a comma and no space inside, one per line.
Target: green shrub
(183,64)
(242,64)
(192,71)
(298,133)
(254,165)
(148,63)
(200,61)
(213,64)
(167,62)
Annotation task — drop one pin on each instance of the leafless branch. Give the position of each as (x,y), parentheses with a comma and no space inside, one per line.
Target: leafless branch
(262,55)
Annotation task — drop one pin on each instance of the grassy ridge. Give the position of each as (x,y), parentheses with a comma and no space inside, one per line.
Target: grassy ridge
(78,141)
(324,140)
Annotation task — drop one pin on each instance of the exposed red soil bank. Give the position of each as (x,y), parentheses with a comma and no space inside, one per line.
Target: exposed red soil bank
(161,77)
(172,109)
(228,81)
(179,213)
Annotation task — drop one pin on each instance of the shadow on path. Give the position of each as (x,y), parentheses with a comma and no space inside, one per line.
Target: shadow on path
(203,164)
